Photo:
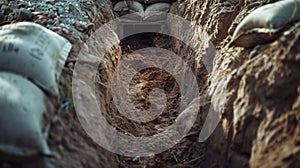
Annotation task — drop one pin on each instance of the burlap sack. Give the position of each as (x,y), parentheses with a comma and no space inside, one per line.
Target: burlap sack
(23,106)
(32,51)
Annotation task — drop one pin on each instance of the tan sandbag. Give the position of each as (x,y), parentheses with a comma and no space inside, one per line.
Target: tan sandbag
(157,11)
(23,106)
(263,24)
(30,50)
(147,2)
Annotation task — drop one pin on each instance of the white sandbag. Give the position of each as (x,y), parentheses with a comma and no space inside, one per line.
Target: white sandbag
(159,7)
(135,9)
(157,11)
(135,6)
(130,7)
(263,24)
(34,52)
(121,8)
(23,106)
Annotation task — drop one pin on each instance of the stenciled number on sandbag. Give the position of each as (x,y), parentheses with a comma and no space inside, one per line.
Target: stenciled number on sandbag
(42,42)
(36,53)
(10,47)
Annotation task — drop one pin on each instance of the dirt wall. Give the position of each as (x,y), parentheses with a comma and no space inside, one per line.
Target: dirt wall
(260,121)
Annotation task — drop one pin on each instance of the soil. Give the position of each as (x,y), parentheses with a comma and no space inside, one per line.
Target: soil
(260,119)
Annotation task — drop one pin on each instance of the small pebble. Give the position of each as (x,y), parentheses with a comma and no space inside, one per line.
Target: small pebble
(24,14)
(70,64)
(5,9)
(56,29)
(80,27)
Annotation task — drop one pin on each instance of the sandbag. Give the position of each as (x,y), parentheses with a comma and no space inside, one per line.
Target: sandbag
(130,7)
(23,106)
(136,11)
(135,6)
(32,51)
(157,11)
(121,8)
(263,24)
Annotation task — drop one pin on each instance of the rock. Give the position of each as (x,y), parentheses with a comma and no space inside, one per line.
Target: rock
(135,6)
(50,2)
(79,27)
(5,9)
(159,7)
(24,14)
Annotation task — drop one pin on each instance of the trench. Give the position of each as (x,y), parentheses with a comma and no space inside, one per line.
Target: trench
(231,145)
(218,150)
(186,153)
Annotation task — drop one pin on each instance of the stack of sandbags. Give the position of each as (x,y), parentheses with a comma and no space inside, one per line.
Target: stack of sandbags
(31,61)
(32,51)
(148,9)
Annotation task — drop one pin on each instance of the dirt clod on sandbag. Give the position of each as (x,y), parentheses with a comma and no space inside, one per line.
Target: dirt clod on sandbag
(32,51)
(23,108)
